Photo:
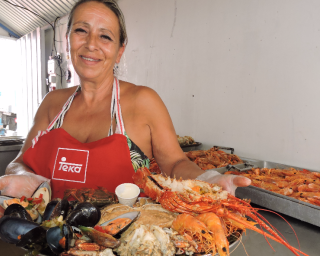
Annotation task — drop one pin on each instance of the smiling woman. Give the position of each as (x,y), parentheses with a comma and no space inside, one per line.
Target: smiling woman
(86,127)
(95,43)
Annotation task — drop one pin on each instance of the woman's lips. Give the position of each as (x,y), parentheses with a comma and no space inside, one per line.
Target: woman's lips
(89,59)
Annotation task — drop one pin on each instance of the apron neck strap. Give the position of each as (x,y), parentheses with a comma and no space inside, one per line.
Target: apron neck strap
(116,109)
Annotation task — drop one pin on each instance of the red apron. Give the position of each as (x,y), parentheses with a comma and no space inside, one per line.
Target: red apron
(72,164)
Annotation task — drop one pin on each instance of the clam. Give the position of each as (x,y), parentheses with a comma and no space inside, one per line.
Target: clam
(84,214)
(122,226)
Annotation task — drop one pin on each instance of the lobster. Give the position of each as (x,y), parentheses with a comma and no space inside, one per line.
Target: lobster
(196,197)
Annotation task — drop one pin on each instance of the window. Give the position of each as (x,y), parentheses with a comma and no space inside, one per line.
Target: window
(10,79)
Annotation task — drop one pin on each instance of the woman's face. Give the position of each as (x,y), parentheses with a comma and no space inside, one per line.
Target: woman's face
(94,41)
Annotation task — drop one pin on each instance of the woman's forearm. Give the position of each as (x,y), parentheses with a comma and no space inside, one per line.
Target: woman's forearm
(185,169)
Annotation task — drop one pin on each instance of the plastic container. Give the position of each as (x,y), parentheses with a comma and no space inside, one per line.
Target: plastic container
(127,193)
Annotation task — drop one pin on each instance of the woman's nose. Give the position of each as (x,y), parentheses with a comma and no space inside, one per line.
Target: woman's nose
(91,42)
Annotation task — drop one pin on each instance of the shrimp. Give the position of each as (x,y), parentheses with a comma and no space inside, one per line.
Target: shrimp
(213,223)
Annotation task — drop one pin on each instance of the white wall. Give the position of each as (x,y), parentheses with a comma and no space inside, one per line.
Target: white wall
(239,73)
(4,32)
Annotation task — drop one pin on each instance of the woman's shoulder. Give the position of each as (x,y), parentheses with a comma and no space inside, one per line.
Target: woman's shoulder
(58,97)
(55,100)
(139,93)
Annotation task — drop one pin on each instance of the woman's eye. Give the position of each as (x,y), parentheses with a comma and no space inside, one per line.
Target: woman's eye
(106,37)
(80,30)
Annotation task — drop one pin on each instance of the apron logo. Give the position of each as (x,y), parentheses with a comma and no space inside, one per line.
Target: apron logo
(69,167)
(74,169)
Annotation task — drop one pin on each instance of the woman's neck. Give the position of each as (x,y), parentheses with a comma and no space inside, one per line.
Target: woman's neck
(94,92)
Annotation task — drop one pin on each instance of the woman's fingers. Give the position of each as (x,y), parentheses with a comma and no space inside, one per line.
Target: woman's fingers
(20,185)
(241,181)
(3,183)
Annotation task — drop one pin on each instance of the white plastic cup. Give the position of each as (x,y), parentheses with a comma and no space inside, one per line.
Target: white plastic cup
(127,193)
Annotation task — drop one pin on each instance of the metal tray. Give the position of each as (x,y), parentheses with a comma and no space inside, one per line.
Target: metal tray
(196,144)
(11,140)
(279,203)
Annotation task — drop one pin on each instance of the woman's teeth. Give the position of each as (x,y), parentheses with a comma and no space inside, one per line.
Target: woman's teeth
(89,59)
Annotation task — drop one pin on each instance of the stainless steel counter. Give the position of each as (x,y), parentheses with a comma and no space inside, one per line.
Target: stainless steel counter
(7,154)
(254,243)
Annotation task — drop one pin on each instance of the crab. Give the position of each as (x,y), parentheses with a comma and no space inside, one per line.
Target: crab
(98,197)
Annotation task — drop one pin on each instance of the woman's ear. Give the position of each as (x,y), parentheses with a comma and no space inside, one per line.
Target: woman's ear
(120,52)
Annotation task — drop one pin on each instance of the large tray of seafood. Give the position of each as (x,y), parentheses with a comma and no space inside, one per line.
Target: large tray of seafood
(290,190)
(62,227)
(181,217)
(215,157)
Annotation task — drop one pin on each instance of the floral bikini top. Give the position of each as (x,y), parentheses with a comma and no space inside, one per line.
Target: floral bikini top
(138,158)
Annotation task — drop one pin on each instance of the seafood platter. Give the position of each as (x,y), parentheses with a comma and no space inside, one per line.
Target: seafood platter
(179,217)
(290,190)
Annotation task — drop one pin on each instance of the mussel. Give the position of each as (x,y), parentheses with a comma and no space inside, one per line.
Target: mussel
(121,226)
(84,214)
(55,234)
(16,210)
(14,230)
(44,190)
(56,208)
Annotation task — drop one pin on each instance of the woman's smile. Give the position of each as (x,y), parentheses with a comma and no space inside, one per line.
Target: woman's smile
(89,60)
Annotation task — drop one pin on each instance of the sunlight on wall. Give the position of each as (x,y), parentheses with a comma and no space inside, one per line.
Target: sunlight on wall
(10,75)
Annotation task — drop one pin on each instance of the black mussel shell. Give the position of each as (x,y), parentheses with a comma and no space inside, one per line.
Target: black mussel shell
(61,208)
(53,237)
(12,227)
(68,234)
(55,209)
(49,209)
(34,236)
(17,210)
(84,214)
(55,234)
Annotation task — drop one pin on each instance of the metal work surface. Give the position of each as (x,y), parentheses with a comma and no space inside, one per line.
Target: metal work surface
(255,244)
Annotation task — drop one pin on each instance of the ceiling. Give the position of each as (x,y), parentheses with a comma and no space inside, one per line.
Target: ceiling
(34,13)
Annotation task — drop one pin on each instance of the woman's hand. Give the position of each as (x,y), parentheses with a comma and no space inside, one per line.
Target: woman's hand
(21,184)
(227,182)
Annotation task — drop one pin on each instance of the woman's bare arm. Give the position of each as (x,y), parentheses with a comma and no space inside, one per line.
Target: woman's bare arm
(168,153)
(165,147)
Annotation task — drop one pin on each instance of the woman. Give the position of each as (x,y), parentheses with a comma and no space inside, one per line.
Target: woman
(75,141)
